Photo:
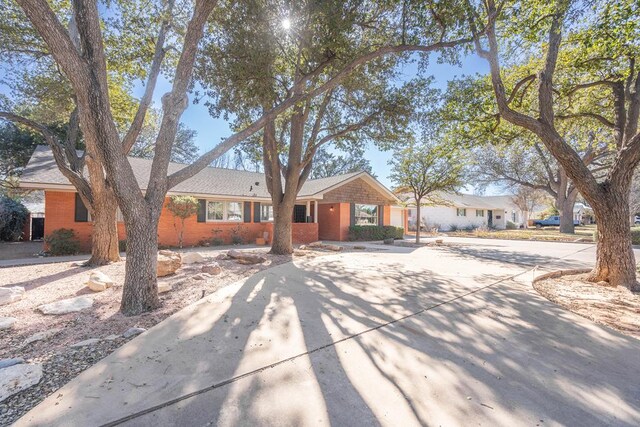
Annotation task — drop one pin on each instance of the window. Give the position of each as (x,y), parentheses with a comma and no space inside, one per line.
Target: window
(234,211)
(224,211)
(461,212)
(480,212)
(366,214)
(266,213)
(513,216)
(215,211)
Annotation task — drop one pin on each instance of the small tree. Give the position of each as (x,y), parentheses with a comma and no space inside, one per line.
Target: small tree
(182,207)
(423,170)
(527,199)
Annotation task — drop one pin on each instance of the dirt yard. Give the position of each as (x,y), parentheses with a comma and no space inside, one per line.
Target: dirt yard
(617,307)
(47,283)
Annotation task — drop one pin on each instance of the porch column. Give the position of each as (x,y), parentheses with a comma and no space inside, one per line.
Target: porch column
(315,211)
(307,212)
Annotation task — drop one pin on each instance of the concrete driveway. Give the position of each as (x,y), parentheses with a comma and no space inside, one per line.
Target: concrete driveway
(436,336)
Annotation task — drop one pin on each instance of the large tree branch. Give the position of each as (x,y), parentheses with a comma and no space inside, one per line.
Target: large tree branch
(595,116)
(330,84)
(59,154)
(158,56)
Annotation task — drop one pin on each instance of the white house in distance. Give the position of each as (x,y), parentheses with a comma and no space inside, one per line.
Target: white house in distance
(460,211)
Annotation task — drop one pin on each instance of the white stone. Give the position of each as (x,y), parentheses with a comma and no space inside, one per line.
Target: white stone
(168,263)
(65,306)
(7,322)
(9,295)
(164,287)
(213,268)
(90,341)
(5,363)
(19,377)
(40,336)
(192,258)
(132,332)
(98,282)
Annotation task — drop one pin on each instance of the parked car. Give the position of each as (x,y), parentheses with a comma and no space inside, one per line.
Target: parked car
(637,220)
(551,221)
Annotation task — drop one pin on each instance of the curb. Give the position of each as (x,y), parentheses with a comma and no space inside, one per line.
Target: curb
(560,273)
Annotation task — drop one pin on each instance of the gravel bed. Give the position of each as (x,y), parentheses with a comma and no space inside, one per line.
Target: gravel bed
(52,282)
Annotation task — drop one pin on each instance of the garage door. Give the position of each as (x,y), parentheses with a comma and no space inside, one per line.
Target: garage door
(396,217)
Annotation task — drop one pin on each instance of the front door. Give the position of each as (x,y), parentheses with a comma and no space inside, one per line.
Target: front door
(490,218)
(37,228)
(300,213)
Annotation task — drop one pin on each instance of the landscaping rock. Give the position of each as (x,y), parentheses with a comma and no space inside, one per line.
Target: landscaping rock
(65,306)
(164,287)
(192,258)
(18,377)
(303,247)
(5,363)
(168,263)
(213,268)
(9,295)
(7,322)
(325,246)
(98,282)
(133,332)
(112,337)
(90,341)
(41,336)
(246,258)
(222,257)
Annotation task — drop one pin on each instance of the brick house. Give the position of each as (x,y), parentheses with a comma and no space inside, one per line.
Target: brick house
(231,203)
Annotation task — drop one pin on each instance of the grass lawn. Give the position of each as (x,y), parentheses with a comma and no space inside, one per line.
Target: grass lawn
(582,234)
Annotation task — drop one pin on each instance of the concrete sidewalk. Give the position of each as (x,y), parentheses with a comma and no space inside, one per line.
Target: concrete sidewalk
(432,336)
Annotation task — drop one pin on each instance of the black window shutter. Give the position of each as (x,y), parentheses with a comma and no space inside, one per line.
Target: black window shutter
(81,212)
(247,212)
(352,214)
(202,210)
(380,214)
(256,212)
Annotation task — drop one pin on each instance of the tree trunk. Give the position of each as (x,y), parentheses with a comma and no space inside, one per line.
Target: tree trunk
(140,292)
(104,238)
(565,205)
(417,221)
(282,243)
(615,262)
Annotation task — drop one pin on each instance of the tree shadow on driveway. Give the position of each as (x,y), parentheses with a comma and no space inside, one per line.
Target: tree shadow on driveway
(362,340)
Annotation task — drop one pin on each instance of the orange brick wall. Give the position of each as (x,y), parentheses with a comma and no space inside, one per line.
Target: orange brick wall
(60,213)
(334,225)
(386,215)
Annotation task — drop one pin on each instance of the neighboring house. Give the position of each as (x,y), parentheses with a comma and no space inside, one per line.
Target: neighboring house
(465,211)
(232,203)
(583,214)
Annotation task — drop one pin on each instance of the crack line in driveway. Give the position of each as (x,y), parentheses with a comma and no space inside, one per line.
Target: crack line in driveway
(347,338)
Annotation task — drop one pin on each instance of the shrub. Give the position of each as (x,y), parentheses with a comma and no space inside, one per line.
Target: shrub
(13,215)
(511,226)
(237,235)
(374,232)
(217,241)
(453,227)
(470,227)
(62,241)
(635,236)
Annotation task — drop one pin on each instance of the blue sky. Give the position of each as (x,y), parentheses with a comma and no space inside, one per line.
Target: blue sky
(211,131)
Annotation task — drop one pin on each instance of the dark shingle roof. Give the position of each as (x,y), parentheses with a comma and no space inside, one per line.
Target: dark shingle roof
(42,170)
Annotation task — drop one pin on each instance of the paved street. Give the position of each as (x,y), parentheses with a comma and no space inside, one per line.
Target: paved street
(446,336)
